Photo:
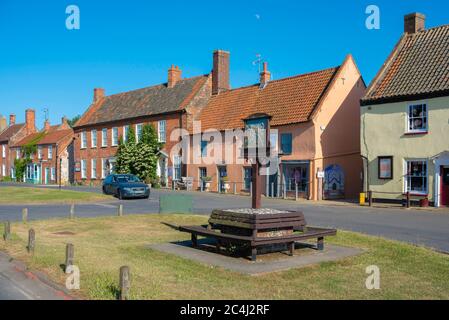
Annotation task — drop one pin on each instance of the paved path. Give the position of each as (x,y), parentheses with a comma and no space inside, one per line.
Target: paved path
(16,283)
(423,227)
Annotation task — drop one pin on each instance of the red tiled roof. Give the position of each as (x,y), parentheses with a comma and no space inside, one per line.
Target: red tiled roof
(289,100)
(418,67)
(153,100)
(55,136)
(52,136)
(9,132)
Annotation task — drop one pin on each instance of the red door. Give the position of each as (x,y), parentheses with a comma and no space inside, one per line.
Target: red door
(445,186)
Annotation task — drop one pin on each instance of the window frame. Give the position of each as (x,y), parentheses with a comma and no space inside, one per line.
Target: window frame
(40,155)
(138,134)
(83,140)
(425,116)
(125,133)
(104,137)
(289,134)
(3,151)
(114,136)
(93,137)
(379,159)
(93,168)
(406,177)
(50,152)
(162,134)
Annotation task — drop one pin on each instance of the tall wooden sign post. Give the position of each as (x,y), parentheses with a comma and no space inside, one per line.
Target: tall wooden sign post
(256,145)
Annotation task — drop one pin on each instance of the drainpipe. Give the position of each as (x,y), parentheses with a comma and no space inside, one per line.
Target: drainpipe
(367,174)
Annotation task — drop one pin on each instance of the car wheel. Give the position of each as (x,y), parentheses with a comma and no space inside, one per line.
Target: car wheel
(104,190)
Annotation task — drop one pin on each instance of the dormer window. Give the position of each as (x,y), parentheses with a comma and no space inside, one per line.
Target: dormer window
(417,118)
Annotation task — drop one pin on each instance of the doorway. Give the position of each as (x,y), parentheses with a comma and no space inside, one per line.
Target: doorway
(222,176)
(445,186)
(47,174)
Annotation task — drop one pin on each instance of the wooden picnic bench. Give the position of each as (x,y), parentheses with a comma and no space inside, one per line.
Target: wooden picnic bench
(257,230)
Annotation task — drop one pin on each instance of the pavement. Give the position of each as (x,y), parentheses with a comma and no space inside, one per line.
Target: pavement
(18,283)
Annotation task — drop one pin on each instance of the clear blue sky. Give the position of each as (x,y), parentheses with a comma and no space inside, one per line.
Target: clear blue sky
(125,45)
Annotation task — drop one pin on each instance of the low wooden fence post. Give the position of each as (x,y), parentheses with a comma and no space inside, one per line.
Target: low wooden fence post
(24,215)
(69,255)
(72,211)
(31,241)
(125,283)
(120,210)
(7,231)
(296,192)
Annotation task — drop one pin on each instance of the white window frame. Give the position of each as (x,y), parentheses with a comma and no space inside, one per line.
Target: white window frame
(103,166)
(13,173)
(114,136)
(93,168)
(426,116)
(83,169)
(162,131)
(39,152)
(3,151)
(104,137)
(139,125)
(406,176)
(177,159)
(83,140)
(50,152)
(93,138)
(18,153)
(52,174)
(125,133)
(3,170)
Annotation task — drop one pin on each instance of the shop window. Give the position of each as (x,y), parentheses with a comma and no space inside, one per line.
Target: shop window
(416,176)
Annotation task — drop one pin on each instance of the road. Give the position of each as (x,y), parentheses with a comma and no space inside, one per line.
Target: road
(429,228)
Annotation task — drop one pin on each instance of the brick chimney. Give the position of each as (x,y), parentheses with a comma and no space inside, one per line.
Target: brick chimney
(46,125)
(3,123)
(220,72)
(98,94)
(174,75)
(265,75)
(12,119)
(414,22)
(30,121)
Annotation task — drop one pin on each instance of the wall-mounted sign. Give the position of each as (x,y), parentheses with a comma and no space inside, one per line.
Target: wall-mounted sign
(320,174)
(385,167)
(77,166)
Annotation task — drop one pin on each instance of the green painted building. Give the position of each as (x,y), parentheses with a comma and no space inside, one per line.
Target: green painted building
(405,118)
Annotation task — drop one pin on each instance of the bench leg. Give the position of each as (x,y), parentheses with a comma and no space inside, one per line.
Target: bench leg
(291,247)
(320,244)
(253,254)
(194,240)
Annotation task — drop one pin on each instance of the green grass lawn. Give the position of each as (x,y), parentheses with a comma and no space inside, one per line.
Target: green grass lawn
(102,245)
(26,195)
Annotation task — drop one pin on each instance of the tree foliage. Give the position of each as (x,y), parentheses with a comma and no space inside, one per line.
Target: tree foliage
(139,158)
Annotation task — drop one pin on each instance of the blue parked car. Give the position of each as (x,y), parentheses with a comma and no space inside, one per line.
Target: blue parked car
(125,186)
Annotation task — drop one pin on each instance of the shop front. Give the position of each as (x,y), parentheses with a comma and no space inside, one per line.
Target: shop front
(295,175)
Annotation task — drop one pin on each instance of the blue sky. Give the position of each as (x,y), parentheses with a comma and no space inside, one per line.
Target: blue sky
(125,45)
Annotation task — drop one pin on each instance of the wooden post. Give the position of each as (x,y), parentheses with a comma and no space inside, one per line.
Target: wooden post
(125,283)
(72,211)
(24,215)
(31,241)
(320,244)
(253,254)
(370,198)
(120,210)
(408,200)
(7,231)
(69,255)
(256,191)
(194,240)
(296,192)
(235,187)
(291,248)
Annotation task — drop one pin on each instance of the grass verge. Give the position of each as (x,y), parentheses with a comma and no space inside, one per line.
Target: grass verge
(102,245)
(29,195)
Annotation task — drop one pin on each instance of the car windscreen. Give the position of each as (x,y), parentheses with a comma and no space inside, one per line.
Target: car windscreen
(126,179)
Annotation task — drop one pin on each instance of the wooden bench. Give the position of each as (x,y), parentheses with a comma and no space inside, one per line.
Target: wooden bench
(301,233)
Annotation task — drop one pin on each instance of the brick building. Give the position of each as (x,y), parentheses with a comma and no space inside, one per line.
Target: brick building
(10,136)
(53,161)
(316,116)
(167,106)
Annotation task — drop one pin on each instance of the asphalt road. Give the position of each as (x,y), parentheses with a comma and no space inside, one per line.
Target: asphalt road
(423,227)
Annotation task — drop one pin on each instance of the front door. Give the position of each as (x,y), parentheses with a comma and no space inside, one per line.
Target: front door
(445,186)
(47,174)
(222,175)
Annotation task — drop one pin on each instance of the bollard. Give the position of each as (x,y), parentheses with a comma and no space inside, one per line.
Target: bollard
(251,189)
(24,215)
(69,255)
(72,211)
(7,231)
(272,189)
(235,188)
(370,198)
(31,241)
(120,210)
(296,192)
(125,283)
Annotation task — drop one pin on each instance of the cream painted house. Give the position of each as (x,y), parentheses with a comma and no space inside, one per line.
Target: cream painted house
(405,118)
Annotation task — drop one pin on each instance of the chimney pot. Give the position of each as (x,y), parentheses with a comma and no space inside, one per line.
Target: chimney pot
(174,75)
(98,94)
(220,72)
(46,125)
(414,22)
(12,119)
